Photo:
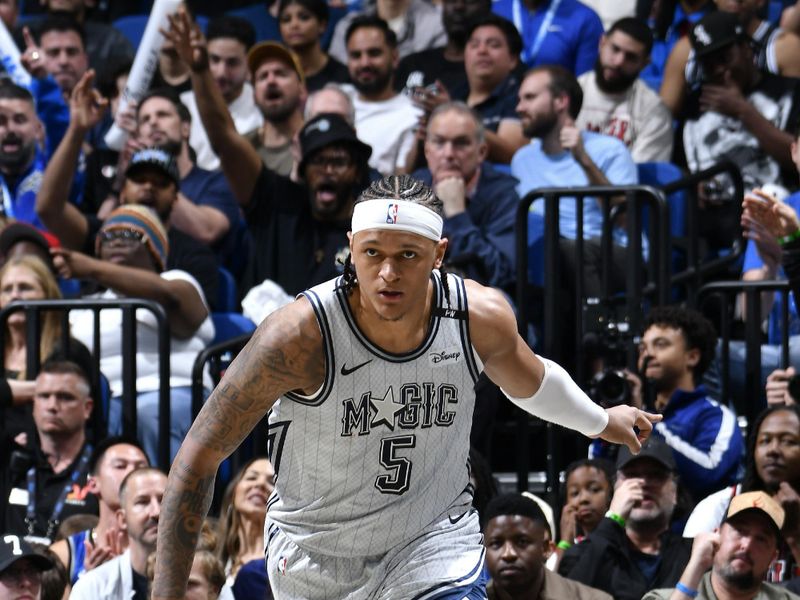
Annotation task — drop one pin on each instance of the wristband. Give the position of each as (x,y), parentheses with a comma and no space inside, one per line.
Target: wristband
(616,518)
(683,589)
(564,545)
(788,238)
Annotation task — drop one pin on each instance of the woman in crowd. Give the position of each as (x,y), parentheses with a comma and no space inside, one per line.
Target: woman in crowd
(241,527)
(302,24)
(588,487)
(24,278)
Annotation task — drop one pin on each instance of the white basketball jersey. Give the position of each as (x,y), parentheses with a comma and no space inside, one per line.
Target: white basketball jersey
(381,450)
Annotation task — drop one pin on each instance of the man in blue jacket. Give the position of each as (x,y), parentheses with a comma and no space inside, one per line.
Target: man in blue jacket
(480,202)
(676,348)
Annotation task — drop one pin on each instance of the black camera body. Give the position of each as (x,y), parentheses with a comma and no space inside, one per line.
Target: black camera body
(609,337)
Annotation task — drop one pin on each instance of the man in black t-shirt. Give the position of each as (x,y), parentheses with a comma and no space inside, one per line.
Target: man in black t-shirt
(299,229)
(446,63)
(46,480)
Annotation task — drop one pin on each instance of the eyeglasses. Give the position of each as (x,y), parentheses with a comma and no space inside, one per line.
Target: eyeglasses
(336,163)
(15,574)
(123,237)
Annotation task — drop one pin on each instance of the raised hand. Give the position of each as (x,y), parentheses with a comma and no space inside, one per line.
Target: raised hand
(778,387)
(570,139)
(33,57)
(187,39)
(777,217)
(71,264)
(452,193)
(86,105)
(627,494)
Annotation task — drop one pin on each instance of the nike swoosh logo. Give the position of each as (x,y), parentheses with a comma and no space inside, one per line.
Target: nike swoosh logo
(346,371)
(454,520)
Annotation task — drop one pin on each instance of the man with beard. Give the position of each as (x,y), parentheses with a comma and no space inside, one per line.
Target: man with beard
(444,64)
(140,508)
(560,155)
(161,124)
(385,119)
(229,39)
(632,550)
(515,539)
(279,88)
(772,465)
(738,555)
(298,229)
(618,103)
(676,348)
(26,144)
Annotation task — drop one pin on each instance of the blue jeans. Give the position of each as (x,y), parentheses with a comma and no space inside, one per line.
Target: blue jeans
(147,419)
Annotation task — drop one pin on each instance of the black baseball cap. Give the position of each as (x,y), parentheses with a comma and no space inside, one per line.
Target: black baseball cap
(154,158)
(326,129)
(654,448)
(19,231)
(714,31)
(14,548)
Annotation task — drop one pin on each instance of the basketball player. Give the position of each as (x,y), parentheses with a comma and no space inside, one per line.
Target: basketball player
(369,379)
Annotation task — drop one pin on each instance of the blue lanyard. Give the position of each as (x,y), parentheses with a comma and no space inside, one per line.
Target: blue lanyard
(530,55)
(8,205)
(58,508)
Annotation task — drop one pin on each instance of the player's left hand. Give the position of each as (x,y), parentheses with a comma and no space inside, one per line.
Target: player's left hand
(621,421)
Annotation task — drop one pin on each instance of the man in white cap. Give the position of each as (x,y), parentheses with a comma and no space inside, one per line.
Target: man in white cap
(370,381)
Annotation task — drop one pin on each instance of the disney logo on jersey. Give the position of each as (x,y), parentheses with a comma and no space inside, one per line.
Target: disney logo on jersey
(419,405)
(449,356)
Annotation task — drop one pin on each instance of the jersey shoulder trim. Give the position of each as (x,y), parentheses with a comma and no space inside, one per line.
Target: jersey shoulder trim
(327,348)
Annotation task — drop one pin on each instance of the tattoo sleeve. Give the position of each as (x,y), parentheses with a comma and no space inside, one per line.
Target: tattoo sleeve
(283,355)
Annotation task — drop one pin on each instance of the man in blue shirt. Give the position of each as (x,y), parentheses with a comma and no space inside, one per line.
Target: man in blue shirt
(676,348)
(560,155)
(555,32)
(25,140)
(479,202)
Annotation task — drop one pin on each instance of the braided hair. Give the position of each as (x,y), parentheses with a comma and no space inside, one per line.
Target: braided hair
(397,187)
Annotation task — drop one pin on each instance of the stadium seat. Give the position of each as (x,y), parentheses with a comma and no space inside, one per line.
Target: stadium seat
(265,24)
(227,294)
(132,26)
(228,325)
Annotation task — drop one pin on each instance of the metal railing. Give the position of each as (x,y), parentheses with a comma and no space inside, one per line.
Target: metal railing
(643,279)
(33,329)
(751,290)
(699,267)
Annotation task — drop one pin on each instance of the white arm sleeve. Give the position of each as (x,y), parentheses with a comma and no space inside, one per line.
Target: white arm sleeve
(560,401)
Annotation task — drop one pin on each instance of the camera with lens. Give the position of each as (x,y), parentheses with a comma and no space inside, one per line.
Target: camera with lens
(609,338)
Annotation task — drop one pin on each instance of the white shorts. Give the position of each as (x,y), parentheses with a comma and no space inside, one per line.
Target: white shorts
(444,562)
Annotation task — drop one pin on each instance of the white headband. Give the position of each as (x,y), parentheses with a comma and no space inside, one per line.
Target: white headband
(397,215)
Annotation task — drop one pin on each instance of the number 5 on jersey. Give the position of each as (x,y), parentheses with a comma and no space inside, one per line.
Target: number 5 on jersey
(398,481)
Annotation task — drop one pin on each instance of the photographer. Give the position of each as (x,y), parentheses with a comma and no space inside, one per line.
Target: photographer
(674,352)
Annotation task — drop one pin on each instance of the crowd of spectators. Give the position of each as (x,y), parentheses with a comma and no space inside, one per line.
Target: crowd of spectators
(240,168)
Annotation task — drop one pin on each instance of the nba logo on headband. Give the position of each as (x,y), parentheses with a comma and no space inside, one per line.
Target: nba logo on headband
(391,214)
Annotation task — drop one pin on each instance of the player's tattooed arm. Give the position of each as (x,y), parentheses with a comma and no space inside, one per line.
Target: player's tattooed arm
(285,354)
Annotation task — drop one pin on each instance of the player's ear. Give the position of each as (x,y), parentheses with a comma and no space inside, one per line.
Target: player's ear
(441,248)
